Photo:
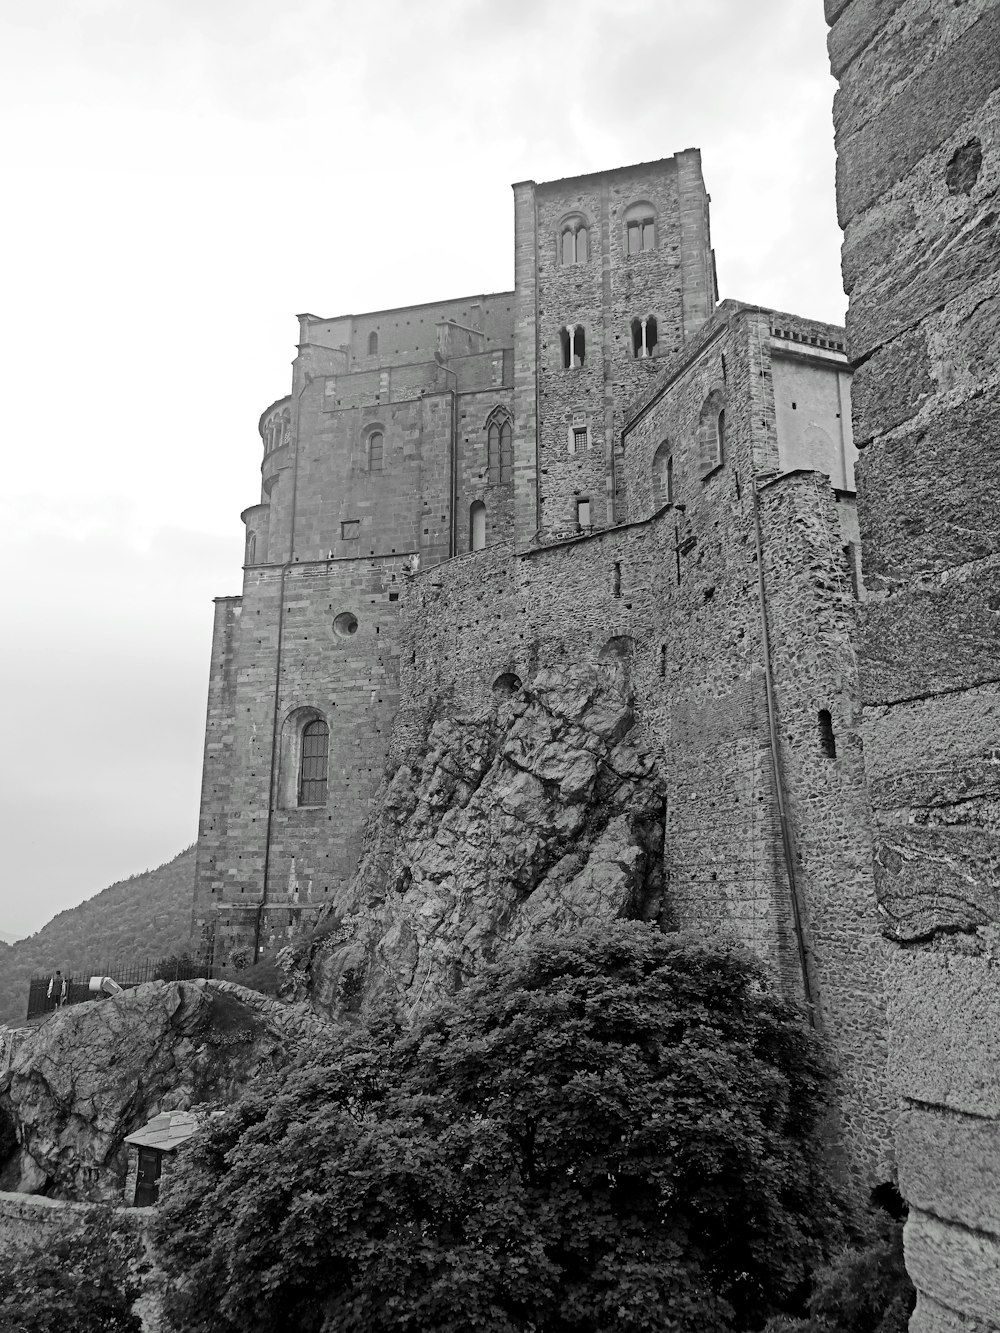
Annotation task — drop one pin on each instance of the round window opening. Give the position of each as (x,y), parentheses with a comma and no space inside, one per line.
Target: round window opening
(345,624)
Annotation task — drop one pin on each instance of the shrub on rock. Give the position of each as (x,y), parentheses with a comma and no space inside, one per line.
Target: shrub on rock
(614,1130)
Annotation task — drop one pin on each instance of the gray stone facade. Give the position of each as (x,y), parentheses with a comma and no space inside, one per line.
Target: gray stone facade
(718,596)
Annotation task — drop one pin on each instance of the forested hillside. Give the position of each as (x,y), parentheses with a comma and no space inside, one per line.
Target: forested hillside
(144,916)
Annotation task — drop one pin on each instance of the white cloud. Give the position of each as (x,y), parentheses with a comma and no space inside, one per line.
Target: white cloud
(185,175)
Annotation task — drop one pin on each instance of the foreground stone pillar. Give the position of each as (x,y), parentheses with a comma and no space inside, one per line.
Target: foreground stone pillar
(918,189)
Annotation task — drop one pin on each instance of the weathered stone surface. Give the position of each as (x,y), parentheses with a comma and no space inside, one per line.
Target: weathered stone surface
(944,1024)
(931,1317)
(933,637)
(891,386)
(942,751)
(949,1165)
(958,1268)
(929,109)
(936,878)
(910,523)
(95,1072)
(548,815)
(954,245)
(857,25)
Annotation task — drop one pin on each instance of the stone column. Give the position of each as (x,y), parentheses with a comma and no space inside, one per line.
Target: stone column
(918,190)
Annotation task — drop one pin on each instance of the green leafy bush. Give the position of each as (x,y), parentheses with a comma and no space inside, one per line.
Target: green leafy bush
(614,1131)
(863,1289)
(87,1282)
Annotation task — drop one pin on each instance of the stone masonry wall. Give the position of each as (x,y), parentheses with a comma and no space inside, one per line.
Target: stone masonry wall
(348,678)
(604,294)
(918,185)
(691,653)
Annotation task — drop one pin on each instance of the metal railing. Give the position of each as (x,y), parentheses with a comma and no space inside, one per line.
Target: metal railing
(74,987)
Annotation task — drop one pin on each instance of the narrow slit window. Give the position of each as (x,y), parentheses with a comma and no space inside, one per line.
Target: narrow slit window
(493,452)
(315,758)
(375,447)
(251,548)
(721,434)
(827,740)
(669,479)
(616,579)
(477,526)
(579,346)
(506,454)
(566,342)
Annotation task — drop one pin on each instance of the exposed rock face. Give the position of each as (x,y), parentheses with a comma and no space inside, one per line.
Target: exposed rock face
(95,1072)
(546,814)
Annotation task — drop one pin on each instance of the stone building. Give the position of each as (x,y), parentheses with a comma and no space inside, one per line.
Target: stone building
(600,496)
(918,184)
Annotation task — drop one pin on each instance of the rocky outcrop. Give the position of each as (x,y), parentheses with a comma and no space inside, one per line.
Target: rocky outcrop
(93,1073)
(545,814)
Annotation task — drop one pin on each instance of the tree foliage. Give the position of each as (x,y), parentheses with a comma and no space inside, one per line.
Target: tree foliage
(865,1288)
(86,1282)
(613,1131)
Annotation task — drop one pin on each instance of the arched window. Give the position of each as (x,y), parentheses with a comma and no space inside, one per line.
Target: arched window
(573,242)
(506,454)
(712,432)
(640,228)
(644,334)
(373,343)
(477,526)
(499,447)
(566,343)
(251,547)
(286,426)
(314,763)
(375,444)
(573,342)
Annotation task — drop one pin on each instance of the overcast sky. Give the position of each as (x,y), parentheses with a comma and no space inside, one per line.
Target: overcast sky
(182,178)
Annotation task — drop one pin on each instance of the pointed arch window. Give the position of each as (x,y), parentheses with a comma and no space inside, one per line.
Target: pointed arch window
(314,763)
(373,343)
(499,447)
